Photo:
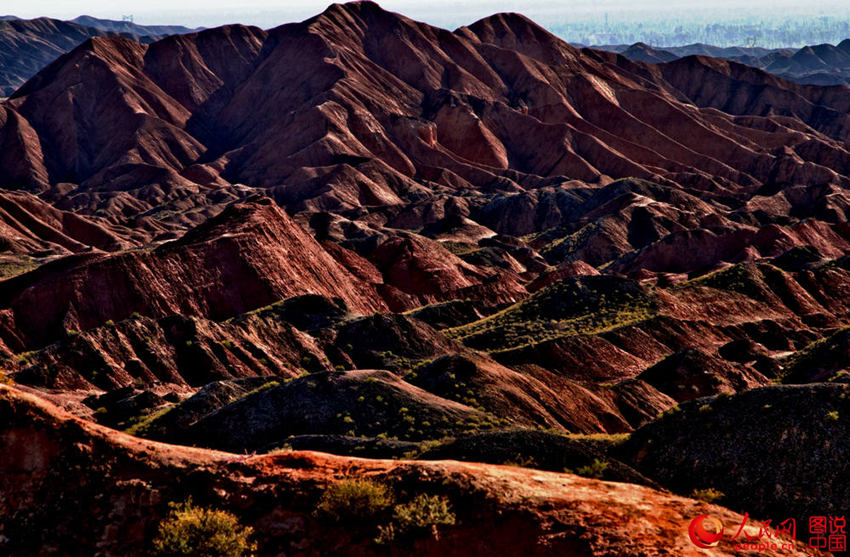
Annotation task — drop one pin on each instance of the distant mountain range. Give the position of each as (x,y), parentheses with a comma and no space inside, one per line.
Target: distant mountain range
(28,45)
(822,64)
(114,26)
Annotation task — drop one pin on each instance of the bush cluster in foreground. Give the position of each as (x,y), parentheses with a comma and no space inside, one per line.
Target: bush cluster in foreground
(202,532)
(360,500)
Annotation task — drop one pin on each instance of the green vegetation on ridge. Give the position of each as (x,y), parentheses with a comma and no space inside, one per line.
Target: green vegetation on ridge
(574,306)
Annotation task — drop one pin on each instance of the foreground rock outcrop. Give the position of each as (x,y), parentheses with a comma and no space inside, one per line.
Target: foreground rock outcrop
(82,489)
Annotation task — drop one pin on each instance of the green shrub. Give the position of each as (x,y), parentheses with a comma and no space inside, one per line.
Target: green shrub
(202,532)
(140,424)
(263,387)
(386,533)
(521,461)
(354,500)
(24,357)
(423,514)
(709,495)
(424,511)
(594,470)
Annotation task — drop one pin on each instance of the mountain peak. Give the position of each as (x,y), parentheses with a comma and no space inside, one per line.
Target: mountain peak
(351,11)
(517,32)
(497,27)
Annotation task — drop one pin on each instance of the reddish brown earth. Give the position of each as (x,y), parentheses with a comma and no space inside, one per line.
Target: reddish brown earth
(28,225)
(425,188)
(173,126)
(54,465)
(506,130)
(26,46)
(479,166)
(248,256)
(366,234)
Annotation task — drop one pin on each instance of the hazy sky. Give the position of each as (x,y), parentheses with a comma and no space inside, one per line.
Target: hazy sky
(440,12)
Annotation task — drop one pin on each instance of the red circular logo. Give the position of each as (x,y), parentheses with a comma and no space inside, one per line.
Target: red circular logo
(700,536)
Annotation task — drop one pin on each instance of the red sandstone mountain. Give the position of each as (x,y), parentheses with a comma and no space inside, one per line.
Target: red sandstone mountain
(28,45)
(435,168)
(247,257)
(363,234)
(28,225)
(162,134)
